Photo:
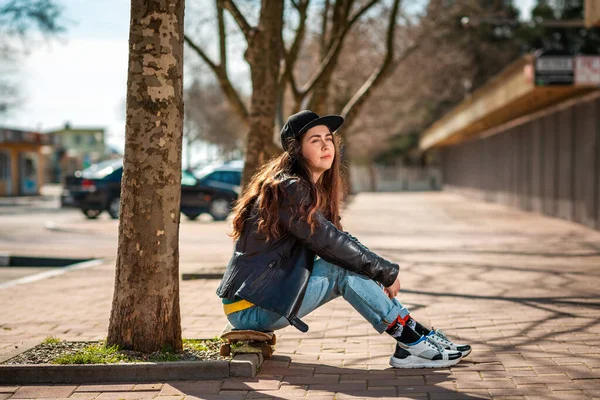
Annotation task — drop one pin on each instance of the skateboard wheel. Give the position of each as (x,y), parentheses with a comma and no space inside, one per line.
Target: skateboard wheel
(272,341)
(267,351)
(225,350)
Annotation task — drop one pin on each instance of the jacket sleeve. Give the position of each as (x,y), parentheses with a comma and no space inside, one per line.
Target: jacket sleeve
(328,242)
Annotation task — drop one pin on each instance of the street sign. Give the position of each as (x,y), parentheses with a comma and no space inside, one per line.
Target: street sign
(554,70)
(587,70)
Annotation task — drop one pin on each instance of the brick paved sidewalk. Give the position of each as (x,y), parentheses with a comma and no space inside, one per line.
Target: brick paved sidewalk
(521,288)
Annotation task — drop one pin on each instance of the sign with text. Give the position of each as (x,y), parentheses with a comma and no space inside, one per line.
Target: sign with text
(554,70)
(587,70)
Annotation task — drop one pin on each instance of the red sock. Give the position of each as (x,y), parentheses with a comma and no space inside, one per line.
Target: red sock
(399,320)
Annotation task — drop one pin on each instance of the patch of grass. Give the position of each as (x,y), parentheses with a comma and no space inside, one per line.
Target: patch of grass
(51,340)
(164,356)
(7,328)
(94,354)
(201,344)
(236,345)
(99,353)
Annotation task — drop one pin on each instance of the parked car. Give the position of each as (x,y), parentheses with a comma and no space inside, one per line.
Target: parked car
(226,175)
(98,188)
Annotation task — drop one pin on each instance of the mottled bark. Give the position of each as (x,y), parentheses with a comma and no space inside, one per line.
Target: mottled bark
(145,311)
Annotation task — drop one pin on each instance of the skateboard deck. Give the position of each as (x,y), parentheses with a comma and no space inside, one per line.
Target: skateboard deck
(247,341)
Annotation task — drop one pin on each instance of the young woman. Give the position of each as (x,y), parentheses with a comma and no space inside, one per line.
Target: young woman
(292,256)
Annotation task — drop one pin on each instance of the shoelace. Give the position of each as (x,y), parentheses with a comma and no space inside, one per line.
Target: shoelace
(442,335)
(436,345)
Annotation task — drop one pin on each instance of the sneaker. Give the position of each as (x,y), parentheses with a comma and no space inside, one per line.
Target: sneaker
(440,338)
(423,354)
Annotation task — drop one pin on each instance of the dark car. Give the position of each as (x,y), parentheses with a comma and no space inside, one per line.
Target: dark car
(227,175)
(98,188)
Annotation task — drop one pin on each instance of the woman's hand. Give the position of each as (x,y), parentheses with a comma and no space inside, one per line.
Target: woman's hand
(393,290)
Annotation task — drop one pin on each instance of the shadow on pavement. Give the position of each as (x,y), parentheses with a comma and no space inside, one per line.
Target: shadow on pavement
(281,378)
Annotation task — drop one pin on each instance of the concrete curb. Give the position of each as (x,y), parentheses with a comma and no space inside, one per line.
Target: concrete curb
(48,274)
(22,348)
(214,272)
(190,276)
(242,366)
(245,365)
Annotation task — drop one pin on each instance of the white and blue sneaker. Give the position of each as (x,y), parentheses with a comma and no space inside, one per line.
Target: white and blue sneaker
(424,353)
(439,337)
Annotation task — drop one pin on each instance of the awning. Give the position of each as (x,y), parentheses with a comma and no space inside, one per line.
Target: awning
(592,13)
(509,95)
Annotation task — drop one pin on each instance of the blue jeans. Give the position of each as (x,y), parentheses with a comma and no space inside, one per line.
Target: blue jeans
(327,282)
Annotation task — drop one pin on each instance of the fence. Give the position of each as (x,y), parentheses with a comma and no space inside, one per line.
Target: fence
(376,178)
(547,163)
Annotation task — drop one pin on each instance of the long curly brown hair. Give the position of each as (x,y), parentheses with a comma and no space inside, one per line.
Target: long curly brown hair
(264,188)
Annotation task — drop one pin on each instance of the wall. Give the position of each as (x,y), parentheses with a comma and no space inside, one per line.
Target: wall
(549,163)
(376,178)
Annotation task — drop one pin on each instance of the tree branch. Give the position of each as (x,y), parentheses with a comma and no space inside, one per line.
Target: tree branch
(291,56)
(245,27)
(222,34)
(357,101)
(201,53)
(288,73)
(221,73)
(295,49)
(329,61)
(360,12)
(324,26)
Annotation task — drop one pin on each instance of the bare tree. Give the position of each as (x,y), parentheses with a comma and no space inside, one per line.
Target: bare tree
(349,104)
(295,88)
(145,311)
(263,54)
(337,20)
(450,62)
(211,119)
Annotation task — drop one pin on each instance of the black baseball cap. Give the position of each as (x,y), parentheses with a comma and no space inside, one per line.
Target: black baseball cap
(299,123)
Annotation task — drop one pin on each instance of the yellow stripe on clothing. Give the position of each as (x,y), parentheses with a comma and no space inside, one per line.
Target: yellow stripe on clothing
(237,306)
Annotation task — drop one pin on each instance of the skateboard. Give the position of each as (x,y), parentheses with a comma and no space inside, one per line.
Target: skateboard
(247,341)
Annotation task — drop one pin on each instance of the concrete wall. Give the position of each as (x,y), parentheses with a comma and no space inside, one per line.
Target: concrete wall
(549,164)
(377,178)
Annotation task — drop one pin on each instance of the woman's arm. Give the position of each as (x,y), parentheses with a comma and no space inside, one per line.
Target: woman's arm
(328,242)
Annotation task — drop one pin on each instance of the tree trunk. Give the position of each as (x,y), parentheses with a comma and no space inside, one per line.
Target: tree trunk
(356,103)
(264,53)
(318,98)
(188,150)
(372,176)
(345,165)
(145,311)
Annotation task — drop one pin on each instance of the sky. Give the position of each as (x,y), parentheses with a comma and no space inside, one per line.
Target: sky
(82,77)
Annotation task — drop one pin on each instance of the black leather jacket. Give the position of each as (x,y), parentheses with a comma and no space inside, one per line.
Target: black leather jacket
(274,274)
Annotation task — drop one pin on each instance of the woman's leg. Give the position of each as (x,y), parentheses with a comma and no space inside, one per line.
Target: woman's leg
(327,282)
